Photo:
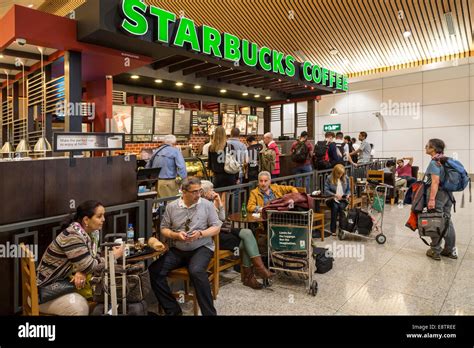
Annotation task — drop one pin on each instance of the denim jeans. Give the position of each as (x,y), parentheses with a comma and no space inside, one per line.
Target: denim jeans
(301,170)
(337,209)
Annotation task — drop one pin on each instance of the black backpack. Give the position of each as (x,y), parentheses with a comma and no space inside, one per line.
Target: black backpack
(300,153)
(323,260)
(340,147)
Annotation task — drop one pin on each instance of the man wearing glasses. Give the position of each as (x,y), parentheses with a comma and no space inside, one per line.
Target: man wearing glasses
(189,223)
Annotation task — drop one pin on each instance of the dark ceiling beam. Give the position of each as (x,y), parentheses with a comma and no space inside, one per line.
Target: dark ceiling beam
(13,67)
(228,79)
(263,83)
(21,54)
(200,67)
(170,60)
(4,77)
(211,71)
(251,77)
(185,64)
(223,74)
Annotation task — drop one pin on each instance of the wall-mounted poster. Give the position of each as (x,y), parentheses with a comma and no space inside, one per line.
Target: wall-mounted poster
(182,122)
(202,120)
(241,123)
(163,121)
(252,125)
(66,142)
(121,119)
(228,122)
(142,120)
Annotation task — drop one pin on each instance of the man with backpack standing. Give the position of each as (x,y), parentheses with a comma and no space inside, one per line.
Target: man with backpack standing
(301,151)
(350,148)
(440,199)
(271,145)
(325,153)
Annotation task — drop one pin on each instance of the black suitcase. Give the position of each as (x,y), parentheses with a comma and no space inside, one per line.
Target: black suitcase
(364,223)
(348,222)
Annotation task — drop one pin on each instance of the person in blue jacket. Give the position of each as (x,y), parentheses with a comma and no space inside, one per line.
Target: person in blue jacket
(337,184)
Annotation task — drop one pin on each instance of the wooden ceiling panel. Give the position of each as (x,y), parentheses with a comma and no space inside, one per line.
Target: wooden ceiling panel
(368,35)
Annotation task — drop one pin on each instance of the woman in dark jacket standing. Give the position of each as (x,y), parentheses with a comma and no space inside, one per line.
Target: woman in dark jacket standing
(217,152)
(337,184)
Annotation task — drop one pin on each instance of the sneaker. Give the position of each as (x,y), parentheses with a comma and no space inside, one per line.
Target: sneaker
(433,255)
(451,254)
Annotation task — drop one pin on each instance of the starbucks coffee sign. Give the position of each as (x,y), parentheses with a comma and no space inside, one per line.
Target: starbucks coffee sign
(139,19)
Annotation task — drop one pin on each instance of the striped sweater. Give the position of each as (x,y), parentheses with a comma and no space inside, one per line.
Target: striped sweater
(70,252)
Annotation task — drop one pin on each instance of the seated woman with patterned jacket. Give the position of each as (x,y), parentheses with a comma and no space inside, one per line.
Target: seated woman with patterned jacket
(71,256)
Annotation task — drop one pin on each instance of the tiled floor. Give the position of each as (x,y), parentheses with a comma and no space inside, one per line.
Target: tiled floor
(393,279)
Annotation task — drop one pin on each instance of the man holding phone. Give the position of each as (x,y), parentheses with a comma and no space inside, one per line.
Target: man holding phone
(190,223)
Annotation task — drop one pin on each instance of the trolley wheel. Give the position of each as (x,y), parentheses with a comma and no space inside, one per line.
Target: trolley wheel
(314,288)
(341,235)
(380,238)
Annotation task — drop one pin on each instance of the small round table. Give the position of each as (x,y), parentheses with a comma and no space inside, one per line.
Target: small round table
(148,256)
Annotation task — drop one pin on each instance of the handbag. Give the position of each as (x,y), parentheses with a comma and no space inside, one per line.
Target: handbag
(137,284)
(433,225)
(55,290)
(231,165)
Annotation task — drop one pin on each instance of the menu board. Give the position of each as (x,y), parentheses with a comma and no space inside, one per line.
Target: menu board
(182,122)
(261,125)
(202,121)
(252,125)
(121,119)
(241,123)
(228,122)
(65,142)
(163,121)
(142,120)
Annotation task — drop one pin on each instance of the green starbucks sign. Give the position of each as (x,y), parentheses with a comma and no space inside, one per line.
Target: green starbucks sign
(332,127)
(288,238)
(139,19)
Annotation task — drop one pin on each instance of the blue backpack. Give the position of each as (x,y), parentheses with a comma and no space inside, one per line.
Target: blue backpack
(456,179)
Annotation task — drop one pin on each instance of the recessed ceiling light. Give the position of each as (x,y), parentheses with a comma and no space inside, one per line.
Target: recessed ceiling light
(159,81)
(134,77)
(245,94)
(257,96)
(223,91)
(407,34)
(30,5)
(179,84)
(1,56)
(197,87)
(268,98)
(334,51)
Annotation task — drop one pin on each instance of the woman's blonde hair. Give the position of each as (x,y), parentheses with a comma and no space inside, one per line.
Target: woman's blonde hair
(336,171)
(219,140)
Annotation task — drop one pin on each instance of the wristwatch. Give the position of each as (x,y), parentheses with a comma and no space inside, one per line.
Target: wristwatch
(200,235)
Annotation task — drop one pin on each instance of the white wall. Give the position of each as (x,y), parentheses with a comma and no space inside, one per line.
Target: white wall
(432,102)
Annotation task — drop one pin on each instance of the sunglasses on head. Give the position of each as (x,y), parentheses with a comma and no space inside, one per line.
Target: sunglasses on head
(186,225)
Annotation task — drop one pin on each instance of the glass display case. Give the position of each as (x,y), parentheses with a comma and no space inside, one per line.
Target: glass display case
(196,166)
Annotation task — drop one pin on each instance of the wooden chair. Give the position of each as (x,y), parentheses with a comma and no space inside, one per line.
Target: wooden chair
(355,200)
(213,274)
(28,283)
(375,175)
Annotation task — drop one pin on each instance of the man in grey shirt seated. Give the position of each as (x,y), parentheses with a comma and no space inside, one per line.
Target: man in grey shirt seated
(190,223)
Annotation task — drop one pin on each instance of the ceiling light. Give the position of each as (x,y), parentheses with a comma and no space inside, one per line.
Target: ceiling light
(30,5)
(257,96)
(407,34)
(179,84)
(268,98)
(223,91)
(134,77)
(159,81)
(197,87)
(1,56)
(245,94)
(334,51)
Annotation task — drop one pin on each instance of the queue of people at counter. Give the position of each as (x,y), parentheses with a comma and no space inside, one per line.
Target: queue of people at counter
(189,224)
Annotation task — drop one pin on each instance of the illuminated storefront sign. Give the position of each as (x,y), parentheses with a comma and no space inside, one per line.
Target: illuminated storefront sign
(139,19)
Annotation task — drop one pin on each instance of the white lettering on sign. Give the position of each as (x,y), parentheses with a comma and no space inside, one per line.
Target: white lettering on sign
(87,142)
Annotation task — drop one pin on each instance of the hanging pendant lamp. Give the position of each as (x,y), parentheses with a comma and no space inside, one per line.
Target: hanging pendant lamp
(23,146)
(7,147)
(43,145)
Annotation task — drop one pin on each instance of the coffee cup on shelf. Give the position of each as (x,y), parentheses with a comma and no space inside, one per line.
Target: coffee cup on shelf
(114,142)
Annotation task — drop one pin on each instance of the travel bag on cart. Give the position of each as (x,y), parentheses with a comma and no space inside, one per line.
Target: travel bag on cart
(323,260)
(364,223)
(348,222)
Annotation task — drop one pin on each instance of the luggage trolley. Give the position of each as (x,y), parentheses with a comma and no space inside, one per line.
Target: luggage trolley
(375,208)
(289,245)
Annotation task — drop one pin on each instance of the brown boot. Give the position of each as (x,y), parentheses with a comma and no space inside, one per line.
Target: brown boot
(260,269)
(249,279)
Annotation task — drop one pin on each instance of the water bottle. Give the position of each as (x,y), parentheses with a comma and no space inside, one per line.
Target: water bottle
(244,210)
(130,235)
